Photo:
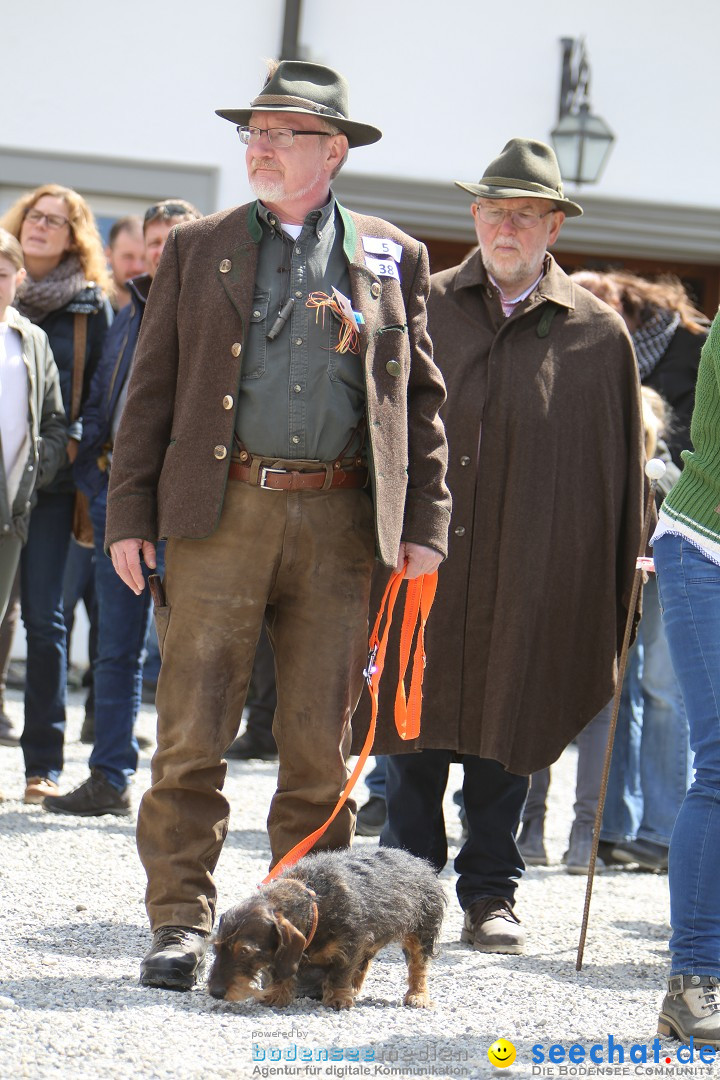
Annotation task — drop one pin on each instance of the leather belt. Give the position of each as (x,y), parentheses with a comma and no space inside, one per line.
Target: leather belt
(293,480)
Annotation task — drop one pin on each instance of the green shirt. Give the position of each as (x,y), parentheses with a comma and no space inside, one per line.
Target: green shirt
(695,499)
(299,399)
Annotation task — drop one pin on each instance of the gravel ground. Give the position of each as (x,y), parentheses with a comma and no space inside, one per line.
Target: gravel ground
(75,930)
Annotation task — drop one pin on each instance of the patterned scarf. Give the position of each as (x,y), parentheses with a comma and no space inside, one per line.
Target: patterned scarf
(653,339)
(36,299)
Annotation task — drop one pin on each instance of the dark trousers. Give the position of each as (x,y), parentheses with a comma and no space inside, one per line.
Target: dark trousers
(488,863)
(42,570)
(262,697)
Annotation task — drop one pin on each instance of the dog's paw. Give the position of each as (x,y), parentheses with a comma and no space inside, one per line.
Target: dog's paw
(417,1001)
(279,996)
(339,999)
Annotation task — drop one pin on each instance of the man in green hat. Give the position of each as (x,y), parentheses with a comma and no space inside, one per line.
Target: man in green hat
(282,431)
(545,468)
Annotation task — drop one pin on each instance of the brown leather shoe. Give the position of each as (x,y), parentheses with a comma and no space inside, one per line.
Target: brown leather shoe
(492,926)
(37,787)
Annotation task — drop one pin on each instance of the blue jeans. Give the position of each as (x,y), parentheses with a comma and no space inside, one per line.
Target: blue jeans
(123,623)
(375,779)
(689,586)
(79,584)
(42,569)
(652,761)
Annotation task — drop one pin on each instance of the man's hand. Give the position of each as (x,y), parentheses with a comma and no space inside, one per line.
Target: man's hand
(419,559)
(125,556)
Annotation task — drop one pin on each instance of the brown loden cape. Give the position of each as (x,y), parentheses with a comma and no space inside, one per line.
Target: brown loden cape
(532,600)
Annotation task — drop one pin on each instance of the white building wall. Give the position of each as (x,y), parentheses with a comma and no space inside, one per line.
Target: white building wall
(447,82)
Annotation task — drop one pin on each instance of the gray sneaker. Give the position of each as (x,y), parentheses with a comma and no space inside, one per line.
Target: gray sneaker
(691,1010)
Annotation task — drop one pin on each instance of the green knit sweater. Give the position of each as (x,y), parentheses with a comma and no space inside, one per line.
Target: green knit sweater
(695,499)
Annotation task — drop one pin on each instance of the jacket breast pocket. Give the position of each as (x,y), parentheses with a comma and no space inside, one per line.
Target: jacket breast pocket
(253,364)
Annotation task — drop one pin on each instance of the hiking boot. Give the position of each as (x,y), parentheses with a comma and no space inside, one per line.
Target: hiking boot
(93,798)
(37,788)
(251,747)
(8,733)
(643,853)
(577,856)
(371,817)
(691,1010)
(531,842)
(492,926)
(175,958)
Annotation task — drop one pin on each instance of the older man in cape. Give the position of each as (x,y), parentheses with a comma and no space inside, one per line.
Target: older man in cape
(545,468)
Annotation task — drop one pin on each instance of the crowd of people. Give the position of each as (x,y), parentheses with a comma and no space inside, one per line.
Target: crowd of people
(487,420)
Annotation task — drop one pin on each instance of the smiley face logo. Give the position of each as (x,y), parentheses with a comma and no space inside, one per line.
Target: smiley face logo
(501,1053)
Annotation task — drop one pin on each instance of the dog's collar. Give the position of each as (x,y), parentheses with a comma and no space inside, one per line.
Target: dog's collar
(314,924)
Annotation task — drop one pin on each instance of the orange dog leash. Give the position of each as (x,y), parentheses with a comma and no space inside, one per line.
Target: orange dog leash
(419,599)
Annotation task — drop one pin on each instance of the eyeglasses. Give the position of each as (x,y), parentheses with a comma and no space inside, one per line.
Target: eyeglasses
(281,137)
(521,219)
(166,210)
(53,221)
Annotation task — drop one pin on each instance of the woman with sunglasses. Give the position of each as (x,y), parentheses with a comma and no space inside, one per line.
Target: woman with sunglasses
(65,293)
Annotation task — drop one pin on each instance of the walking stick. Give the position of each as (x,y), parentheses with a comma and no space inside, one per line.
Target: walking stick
(654,470)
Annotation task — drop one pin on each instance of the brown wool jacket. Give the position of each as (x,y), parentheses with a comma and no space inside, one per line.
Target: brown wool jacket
(171,457)
(546,454)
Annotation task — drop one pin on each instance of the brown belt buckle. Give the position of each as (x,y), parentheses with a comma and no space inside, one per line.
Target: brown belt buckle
(263,475)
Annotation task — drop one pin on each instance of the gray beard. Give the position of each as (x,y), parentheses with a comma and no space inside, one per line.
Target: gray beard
(274,191)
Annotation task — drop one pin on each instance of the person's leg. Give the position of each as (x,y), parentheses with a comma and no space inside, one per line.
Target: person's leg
(623,800)
(215,610)
(690,596)
(531,841)
(689,588)
(591,745)
(9,735)
(10,548)
(42,568)
(414,789)
(123,620)
(258,741)
(375,779)
(666,763)
(318,625)
(489,864)
(372,815)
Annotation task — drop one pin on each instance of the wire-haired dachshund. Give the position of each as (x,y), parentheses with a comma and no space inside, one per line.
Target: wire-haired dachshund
(317,926)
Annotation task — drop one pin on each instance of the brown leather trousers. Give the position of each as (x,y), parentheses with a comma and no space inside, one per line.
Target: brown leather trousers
(308,557)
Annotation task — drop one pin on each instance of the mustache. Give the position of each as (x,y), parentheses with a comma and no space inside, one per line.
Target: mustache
(264,163)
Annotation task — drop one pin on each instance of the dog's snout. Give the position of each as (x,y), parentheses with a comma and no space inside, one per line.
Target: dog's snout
(216,991)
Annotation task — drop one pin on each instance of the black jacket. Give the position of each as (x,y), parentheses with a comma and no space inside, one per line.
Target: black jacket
(60,328)
(674,378)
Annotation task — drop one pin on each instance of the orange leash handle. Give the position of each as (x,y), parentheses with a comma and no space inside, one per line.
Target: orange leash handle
(421,592)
